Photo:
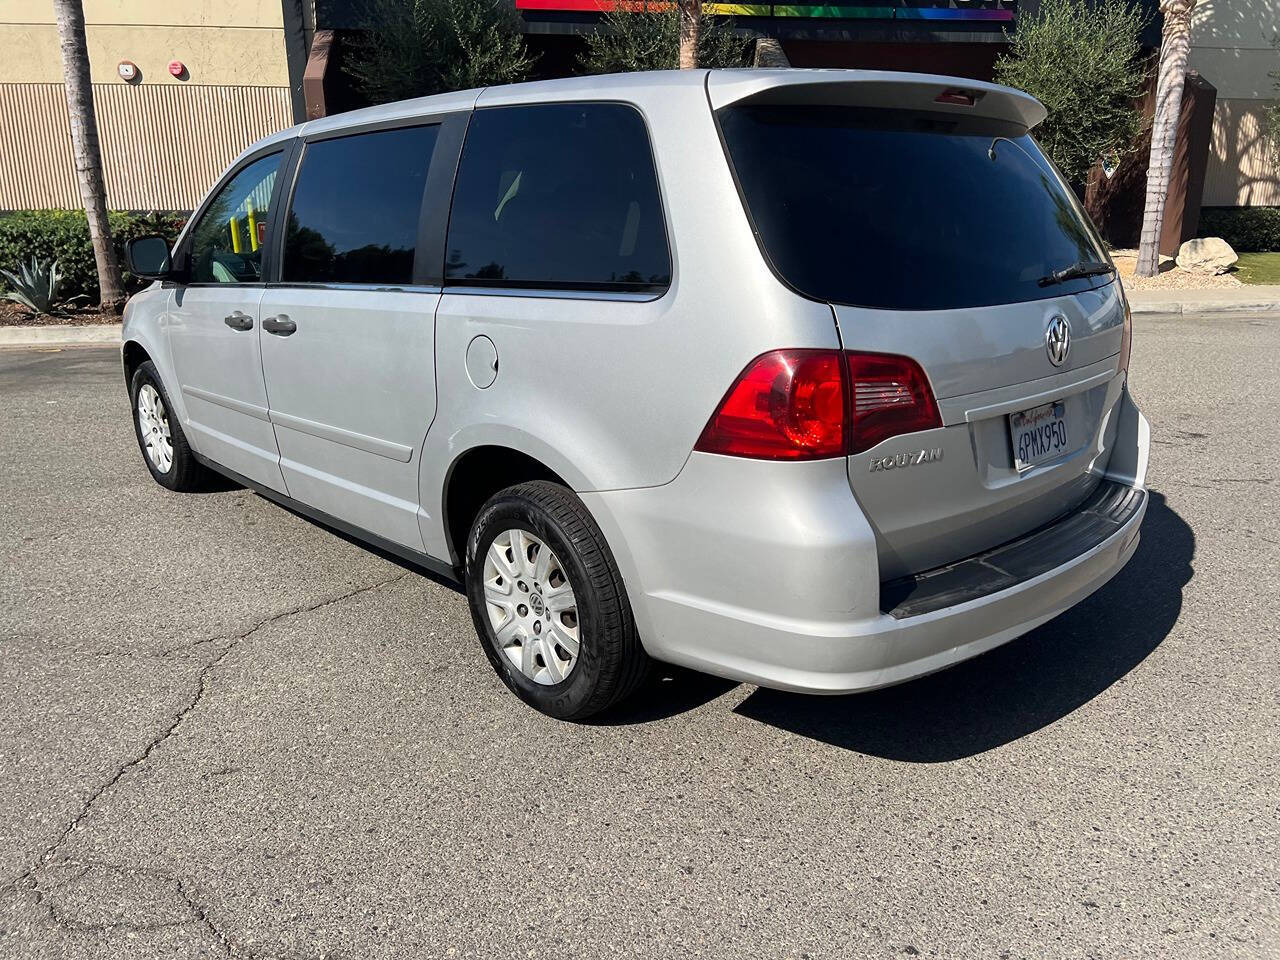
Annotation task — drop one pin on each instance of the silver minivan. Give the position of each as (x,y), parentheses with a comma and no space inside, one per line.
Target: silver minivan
(811,379)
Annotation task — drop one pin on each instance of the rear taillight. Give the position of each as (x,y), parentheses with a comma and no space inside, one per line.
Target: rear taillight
(811,404)
(891,396)
(786,405)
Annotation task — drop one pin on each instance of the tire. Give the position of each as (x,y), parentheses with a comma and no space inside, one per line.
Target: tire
(179,470)
(609,662)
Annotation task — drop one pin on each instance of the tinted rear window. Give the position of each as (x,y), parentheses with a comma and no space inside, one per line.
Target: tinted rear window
(354,215)
(906,211)
(558,196)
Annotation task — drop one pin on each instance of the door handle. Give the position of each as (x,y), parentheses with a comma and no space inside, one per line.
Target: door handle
(238,321)
(281,326)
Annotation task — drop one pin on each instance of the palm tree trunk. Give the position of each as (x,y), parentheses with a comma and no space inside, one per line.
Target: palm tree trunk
(690,28)
(1174,47)
(84,144)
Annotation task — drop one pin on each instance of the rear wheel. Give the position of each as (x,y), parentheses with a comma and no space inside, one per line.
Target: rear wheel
(549,604)
(160,437)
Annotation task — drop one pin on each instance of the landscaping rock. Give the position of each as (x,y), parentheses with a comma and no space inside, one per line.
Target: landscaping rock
(1207,255)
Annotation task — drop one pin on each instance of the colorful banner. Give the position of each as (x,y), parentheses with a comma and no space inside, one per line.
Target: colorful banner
(876,10)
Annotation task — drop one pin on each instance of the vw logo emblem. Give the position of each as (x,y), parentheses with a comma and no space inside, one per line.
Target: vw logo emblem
(1057,340)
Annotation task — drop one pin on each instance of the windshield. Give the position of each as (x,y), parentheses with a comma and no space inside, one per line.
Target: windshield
(906,211)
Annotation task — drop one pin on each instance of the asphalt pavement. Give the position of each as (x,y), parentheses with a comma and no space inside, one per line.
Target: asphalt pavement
(227,731)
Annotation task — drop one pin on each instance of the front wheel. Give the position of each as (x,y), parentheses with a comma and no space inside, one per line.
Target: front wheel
(549,604)
(160,437)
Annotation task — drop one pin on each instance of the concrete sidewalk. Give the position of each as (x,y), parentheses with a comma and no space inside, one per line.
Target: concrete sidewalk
(59,334)
(1249,298)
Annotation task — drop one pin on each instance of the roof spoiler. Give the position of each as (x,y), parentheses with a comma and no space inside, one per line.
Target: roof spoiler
(875,88)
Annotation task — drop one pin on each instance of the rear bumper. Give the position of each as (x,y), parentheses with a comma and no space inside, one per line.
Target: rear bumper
(767,573)
(1103,515)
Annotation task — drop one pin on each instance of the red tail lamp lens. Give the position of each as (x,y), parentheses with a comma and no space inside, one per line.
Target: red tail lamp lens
(787,405)
(891,396)
(811,404)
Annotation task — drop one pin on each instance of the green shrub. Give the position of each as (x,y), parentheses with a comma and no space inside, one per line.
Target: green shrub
(1247,229)
(639,36)
(413,48)
(63,235)
(1081,59)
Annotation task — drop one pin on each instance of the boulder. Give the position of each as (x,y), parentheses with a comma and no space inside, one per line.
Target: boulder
(1207,255)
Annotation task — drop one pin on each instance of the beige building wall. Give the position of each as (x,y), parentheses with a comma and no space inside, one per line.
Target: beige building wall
(164,138)
(1231,48)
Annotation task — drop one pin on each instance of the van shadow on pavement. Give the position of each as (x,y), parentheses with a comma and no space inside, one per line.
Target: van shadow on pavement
(1020,687)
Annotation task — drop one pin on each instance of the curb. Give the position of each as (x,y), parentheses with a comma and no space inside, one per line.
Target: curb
(1202,308)
(60,334)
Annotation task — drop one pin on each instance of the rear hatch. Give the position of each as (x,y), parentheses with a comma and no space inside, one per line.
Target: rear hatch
(933,224)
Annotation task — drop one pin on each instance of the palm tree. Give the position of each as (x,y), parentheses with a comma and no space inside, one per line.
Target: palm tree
(690,28)
(84,144)
(1175,44)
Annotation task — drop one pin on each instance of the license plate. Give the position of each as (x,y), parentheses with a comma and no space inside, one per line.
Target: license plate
(1039,434)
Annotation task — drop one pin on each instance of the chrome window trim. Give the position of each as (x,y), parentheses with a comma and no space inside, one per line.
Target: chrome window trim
(366,287)
(615,296)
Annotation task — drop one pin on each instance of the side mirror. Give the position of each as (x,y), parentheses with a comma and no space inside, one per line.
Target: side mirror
(148,257)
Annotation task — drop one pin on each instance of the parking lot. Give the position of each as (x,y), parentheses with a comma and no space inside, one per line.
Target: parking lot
(227,731)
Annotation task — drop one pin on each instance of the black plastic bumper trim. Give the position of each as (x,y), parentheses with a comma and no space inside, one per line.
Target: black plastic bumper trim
(1095,521)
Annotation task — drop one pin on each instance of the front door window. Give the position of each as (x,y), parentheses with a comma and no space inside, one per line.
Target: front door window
(227,242)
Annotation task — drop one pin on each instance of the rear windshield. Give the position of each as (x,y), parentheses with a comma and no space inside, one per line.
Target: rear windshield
(905,211)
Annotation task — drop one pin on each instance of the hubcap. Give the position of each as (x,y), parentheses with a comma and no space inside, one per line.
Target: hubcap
(153,424)
(531,606)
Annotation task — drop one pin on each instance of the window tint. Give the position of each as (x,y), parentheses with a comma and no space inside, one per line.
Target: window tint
(227,241)
(899,210)
(558,195)
(354,215)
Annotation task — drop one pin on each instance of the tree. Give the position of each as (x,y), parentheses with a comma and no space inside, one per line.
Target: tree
(1273,111)
(413,48)
(1175,44)
(690,32)
(1082,61)
(88,155)
(646,36)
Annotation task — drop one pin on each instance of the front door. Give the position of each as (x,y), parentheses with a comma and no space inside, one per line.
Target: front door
(348,336)
(214,331)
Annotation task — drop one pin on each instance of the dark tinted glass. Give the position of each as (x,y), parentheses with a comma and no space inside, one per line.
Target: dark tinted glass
(558,195)
(227,241)
(354,216)
(889,209)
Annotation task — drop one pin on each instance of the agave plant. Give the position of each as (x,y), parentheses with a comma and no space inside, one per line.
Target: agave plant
(36,286)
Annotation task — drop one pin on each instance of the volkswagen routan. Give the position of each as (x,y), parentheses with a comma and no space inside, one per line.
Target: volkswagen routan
(809,379)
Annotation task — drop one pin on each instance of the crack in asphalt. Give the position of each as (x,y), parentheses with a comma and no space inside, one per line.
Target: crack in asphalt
(27,881)
(60,919)
(1219,481)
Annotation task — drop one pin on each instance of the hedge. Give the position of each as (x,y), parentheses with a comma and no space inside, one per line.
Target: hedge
(64,235)
(1247,229)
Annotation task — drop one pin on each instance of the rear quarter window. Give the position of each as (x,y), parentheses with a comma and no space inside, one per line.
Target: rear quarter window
(906,211)
(558,196)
